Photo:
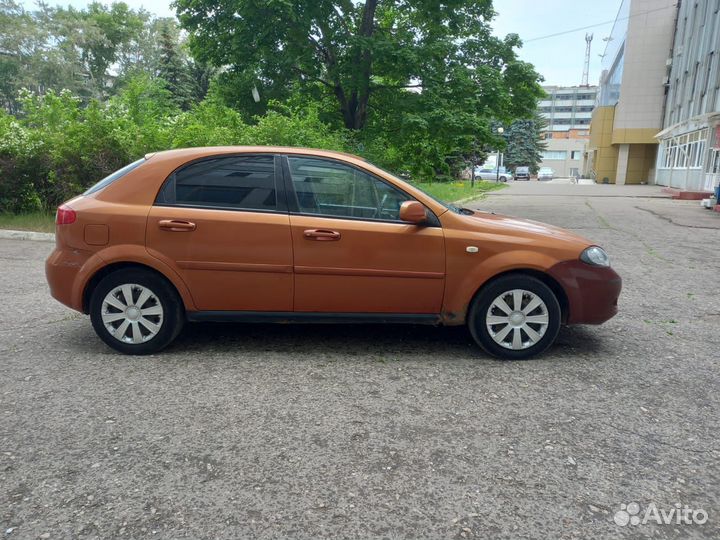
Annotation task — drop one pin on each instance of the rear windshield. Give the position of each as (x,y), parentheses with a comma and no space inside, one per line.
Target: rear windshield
(114,176)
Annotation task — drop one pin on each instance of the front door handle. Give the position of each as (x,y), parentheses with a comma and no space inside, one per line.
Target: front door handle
(176,225)
(322,235)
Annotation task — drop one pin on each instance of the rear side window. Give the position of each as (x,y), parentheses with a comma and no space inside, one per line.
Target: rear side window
(233,182)
(114,176)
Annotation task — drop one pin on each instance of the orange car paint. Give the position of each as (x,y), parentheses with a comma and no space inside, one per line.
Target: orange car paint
(264,261)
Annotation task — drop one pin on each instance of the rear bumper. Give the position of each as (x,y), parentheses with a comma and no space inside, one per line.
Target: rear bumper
(64,270)
(592,291)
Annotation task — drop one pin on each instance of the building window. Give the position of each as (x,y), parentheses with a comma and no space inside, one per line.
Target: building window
(714,162)
(553,154)
(575,154)
(684,151)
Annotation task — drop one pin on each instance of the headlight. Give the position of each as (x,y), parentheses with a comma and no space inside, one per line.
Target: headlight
(596,256)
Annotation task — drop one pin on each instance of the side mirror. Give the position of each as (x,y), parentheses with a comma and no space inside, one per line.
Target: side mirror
(413,212)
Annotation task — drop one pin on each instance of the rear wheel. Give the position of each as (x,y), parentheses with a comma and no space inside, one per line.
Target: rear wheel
(136,312)
(515,317)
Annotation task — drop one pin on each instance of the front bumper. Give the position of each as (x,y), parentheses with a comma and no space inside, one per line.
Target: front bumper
(592,291)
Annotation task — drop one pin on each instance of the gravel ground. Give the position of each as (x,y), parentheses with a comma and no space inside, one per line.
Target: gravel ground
(370,431)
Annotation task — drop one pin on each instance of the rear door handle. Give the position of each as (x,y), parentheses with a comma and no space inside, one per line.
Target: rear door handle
(322,235)
(176,225)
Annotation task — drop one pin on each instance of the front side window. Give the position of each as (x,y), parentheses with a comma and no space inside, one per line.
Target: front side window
(332,189)
(232,182)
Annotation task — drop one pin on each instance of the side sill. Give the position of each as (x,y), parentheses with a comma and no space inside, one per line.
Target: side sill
(313,318)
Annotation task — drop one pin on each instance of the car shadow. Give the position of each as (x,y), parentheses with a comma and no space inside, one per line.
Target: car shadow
(355,341)
(313,339)
(363,340)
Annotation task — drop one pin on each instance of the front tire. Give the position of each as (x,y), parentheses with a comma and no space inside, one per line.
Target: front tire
(136,312)
(515,317)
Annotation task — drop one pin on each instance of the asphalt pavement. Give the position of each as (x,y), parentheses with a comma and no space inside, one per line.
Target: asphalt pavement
(261,431)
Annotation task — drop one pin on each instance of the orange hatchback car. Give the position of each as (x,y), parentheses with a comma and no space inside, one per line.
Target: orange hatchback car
(268,234)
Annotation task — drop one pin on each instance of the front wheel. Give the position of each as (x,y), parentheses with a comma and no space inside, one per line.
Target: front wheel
(136,312)
(515,317)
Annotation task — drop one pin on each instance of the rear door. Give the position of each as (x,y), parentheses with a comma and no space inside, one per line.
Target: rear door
(352,253)
(222,223)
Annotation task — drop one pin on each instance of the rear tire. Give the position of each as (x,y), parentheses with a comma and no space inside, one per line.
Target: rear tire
(515,317)
(136,311)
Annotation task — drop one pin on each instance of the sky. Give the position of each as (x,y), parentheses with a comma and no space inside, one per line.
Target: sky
(558,59)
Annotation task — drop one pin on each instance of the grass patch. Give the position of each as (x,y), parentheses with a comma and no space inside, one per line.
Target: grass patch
(36,221)
(455,191)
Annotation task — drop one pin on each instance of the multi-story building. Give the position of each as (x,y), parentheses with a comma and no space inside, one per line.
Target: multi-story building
(629,112)
(689,155)
(567,111)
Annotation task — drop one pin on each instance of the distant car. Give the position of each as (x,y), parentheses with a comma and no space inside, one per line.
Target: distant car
(522,173)
(486,173)
(545,173)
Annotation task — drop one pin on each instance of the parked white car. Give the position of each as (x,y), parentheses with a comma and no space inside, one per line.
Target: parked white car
(545,173)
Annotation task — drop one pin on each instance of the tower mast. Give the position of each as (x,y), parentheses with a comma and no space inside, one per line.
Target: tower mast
(586,67)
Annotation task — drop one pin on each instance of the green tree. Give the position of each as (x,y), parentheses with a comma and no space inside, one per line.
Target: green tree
(173,68)
(524,143)
(356,50)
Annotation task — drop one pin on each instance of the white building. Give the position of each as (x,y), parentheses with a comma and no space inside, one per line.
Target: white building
(689,155)
(568,112)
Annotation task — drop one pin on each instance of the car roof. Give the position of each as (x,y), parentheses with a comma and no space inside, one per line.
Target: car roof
(201,151)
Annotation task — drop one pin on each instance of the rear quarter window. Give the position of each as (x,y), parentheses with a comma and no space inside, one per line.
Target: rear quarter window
(231,182)
(105,182)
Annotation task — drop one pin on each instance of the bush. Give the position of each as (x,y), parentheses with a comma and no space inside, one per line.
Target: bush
(57,148)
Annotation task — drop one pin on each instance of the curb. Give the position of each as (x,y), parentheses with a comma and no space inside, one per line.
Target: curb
(468,199)
(6,234)
(476,197)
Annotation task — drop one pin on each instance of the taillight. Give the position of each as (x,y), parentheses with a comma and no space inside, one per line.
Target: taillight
(65,215)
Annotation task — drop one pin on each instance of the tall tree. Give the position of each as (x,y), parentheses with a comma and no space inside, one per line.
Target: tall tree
(356,50)
(174,69)
(525,143)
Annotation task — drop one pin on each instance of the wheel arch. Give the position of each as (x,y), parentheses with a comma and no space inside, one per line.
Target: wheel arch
(111,268)
(546,278)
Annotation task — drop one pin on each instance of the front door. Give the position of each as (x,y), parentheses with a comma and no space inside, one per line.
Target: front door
(222,223)
(352,254)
